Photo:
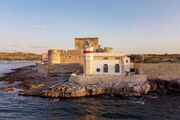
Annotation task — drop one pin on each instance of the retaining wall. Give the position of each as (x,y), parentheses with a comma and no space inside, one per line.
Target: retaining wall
(108,79)
(162,71)
(64,68)
(55,69)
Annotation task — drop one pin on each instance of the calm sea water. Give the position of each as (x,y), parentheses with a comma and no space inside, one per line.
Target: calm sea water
(104,107)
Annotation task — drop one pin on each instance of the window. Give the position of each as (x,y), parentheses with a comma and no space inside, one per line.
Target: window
(127,61)
(98,70)
(105,68)
(117,68)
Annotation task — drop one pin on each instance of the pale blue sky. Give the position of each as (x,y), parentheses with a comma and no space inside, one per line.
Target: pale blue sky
(131,26)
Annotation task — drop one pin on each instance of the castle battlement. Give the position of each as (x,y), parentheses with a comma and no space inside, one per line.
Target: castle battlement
(95,60)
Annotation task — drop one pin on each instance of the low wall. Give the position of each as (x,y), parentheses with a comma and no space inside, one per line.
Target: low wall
(55,69)
(64,68)
(43,69)
(163,71)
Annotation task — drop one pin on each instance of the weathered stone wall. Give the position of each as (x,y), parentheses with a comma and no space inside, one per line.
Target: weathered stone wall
(71,56)
(64,68)
(53,57)
(45,70)
(42,69)
(162,71)
(108,79)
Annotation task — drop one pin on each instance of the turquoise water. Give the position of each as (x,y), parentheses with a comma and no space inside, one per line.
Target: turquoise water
(104,107)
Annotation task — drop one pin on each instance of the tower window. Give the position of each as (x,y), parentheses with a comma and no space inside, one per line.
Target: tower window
(105,68)
(127,61)
(117,68)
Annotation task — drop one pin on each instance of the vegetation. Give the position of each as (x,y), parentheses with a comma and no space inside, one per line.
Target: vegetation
(19,56)
(155,58)
(136,58)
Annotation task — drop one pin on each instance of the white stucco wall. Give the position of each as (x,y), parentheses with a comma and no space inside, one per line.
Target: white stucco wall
(111,67)
(127,65)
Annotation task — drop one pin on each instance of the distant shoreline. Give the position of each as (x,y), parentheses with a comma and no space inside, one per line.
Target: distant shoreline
(19,56)
(20,60)
(136,58)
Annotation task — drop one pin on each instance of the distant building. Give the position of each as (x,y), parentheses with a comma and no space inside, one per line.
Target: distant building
(71,56)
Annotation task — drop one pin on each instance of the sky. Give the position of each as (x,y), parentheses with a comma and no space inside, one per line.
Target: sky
(129,26)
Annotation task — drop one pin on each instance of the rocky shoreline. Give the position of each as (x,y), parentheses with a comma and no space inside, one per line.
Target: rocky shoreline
(98,87)
(62,85)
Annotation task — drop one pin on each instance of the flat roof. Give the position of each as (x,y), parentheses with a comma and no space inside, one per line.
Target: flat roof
(86,38)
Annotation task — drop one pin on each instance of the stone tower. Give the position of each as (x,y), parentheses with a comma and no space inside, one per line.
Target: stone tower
(79,42)
(88,58)
(54,57)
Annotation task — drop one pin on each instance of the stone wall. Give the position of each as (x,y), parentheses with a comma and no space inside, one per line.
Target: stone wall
(43,69)
(64,68)
(53,56)
(162,71)
(71,56)
(80,86)
(49,70)
(109,79)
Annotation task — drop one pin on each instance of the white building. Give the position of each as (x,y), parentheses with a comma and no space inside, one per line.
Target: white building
(105,63)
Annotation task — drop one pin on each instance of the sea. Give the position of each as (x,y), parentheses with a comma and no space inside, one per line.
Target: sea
(104,107)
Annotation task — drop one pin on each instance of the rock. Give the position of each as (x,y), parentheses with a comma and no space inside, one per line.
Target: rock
(9,88)
(165,85)
(74,89)
(174,85)
(34,86)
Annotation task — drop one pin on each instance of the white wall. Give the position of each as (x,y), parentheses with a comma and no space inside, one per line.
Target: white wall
(111,67)
(127,65)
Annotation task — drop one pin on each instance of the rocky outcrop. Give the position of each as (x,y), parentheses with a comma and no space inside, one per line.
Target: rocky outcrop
(9,88)
(174,85)
(64,85)
(80,89)
(168,85)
